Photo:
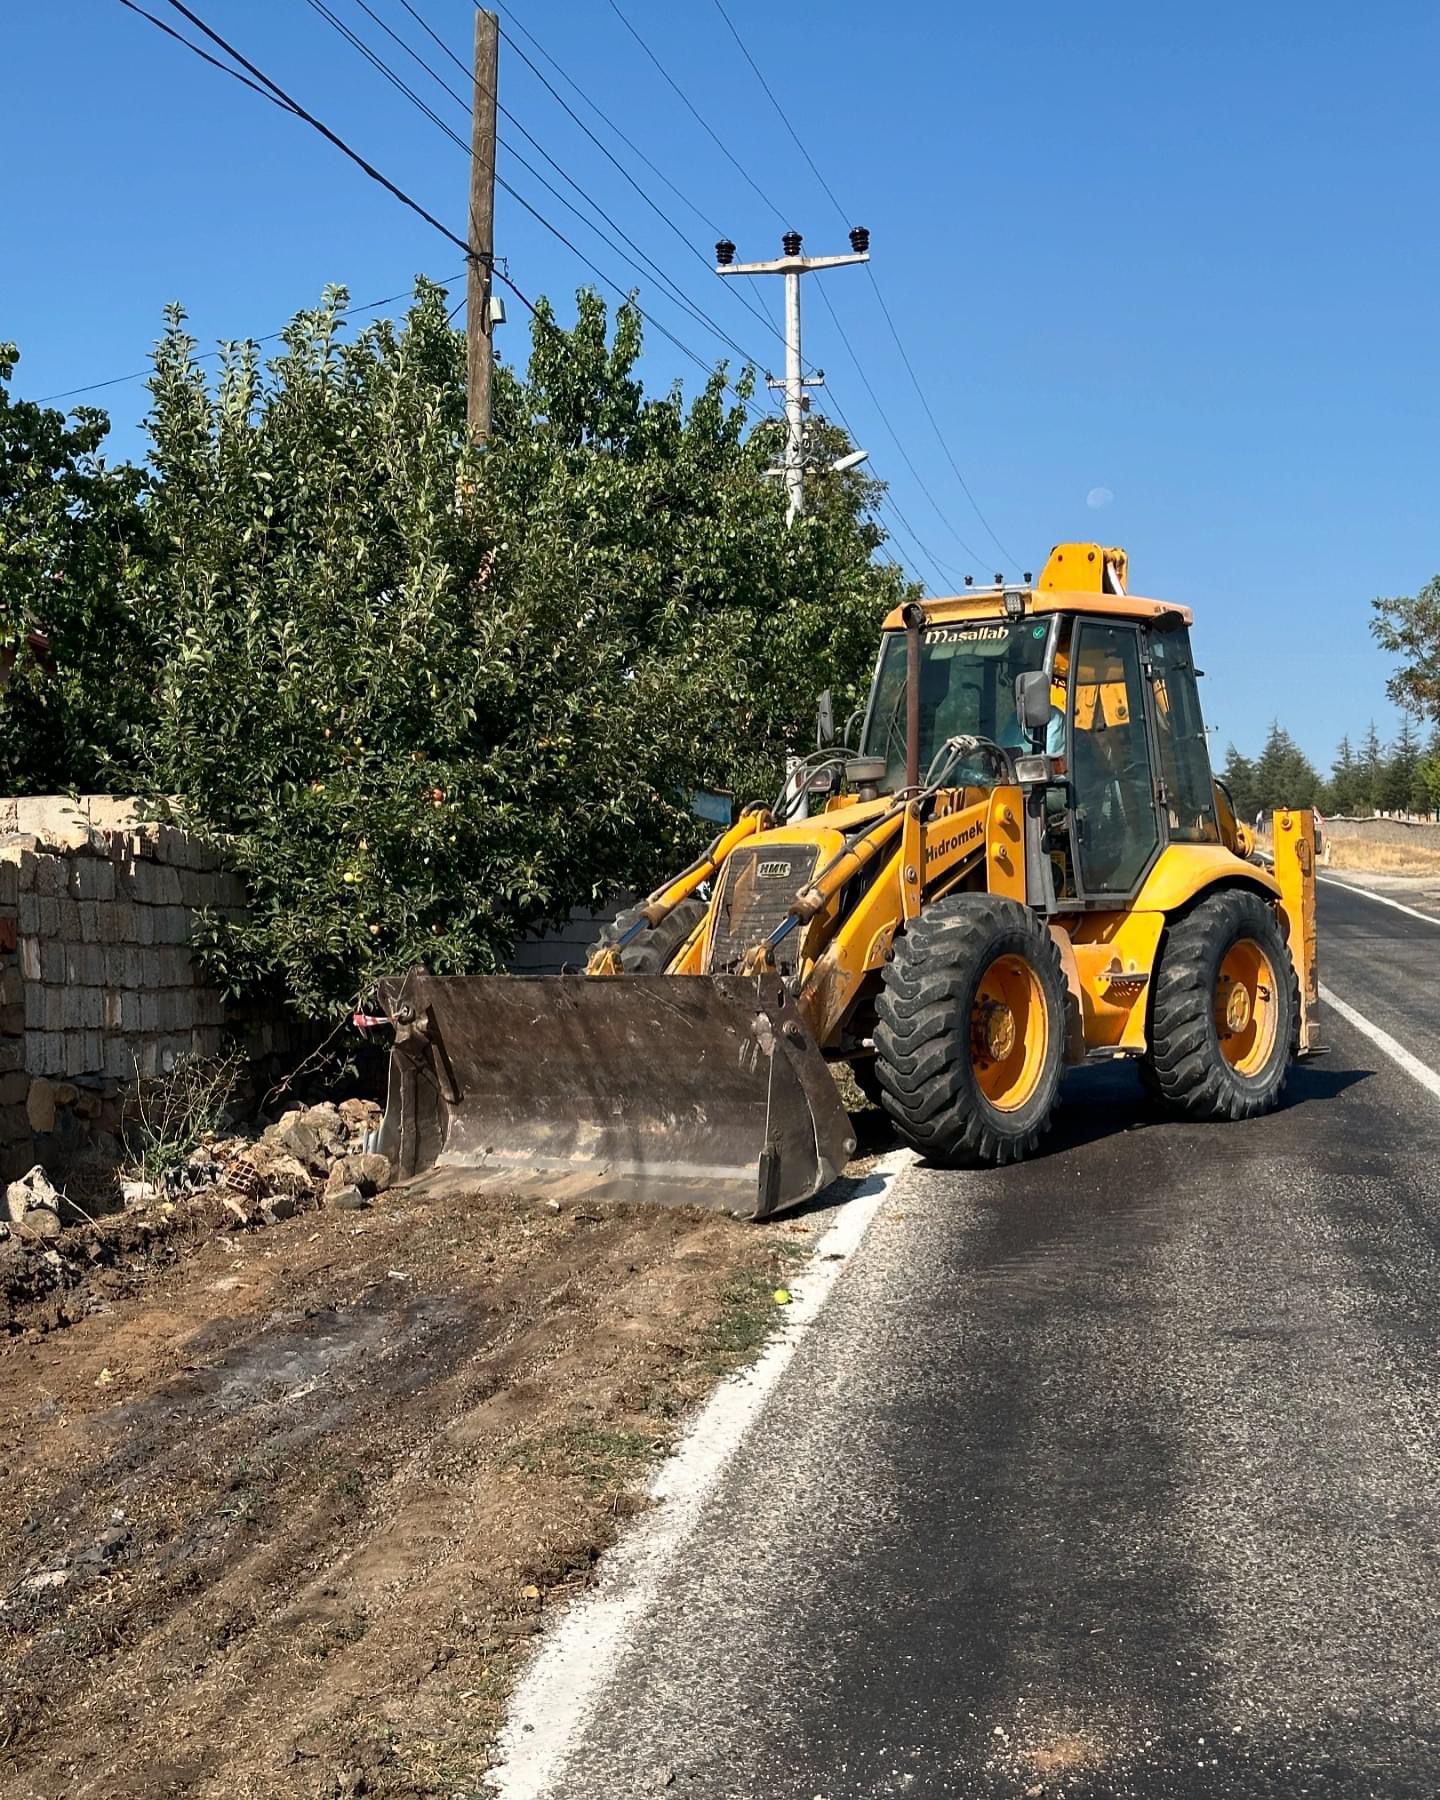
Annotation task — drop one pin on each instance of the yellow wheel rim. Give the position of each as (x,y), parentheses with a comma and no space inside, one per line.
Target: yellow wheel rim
(1009,1033)
(1247,1007)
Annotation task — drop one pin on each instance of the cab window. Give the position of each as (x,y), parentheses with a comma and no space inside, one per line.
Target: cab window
(1180,739)
(1117,828)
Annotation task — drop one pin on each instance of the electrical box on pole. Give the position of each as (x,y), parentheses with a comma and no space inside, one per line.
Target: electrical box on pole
(792,265)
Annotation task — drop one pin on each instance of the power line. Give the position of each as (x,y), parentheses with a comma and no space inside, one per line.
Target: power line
(278,95)
(207,355)
(779,213)
(324,130)
(919,479)
(697,313)
(888,499)
(271,91)
(668,285)
(603,116)
(755,311)
(935,427)
(676,294)
(698,116)
(784,116)
(197,49)
(875,283)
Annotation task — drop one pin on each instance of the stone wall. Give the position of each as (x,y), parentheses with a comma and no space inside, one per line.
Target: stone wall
(97,982)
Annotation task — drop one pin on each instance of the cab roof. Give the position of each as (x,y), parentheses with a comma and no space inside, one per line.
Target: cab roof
(1077,578)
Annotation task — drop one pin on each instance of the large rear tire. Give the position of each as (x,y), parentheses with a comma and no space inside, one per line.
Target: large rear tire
(652,951)
(971,1038)
(1225,1012)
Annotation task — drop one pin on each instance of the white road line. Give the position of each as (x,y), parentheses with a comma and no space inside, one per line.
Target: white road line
(560,1688)
(1380,899)
(1396,1051)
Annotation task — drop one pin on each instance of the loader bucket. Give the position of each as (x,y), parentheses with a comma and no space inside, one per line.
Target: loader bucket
(689,1090)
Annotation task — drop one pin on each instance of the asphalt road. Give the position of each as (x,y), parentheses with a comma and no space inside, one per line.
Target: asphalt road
(1114,1474)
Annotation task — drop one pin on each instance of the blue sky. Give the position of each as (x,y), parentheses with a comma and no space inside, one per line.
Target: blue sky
(1174,253)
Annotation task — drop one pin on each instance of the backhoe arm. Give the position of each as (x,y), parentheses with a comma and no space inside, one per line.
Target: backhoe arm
(605,958)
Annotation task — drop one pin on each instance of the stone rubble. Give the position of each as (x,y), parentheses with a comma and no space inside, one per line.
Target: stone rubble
(310,1155)
(33,1205)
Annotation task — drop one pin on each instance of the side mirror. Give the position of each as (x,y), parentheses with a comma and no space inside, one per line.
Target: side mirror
(825,722)
(1032,700)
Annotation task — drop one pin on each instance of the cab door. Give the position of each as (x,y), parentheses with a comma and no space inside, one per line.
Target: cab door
(1116,820)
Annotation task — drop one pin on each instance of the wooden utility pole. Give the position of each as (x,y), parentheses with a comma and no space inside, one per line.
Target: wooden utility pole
(480,349)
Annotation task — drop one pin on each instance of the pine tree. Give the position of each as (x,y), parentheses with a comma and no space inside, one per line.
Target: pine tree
(1284,775)
(1397,777)
(1372,766)
(1239,778)
(1426,797)
(1344,779)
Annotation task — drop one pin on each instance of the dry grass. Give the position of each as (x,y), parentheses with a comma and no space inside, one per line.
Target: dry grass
(1389,859)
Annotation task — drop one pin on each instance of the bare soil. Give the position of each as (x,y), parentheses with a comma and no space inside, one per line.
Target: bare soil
(283,1506)
(1394,859)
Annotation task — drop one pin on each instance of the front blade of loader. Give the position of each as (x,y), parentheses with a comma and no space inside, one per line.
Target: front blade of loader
(696,1090)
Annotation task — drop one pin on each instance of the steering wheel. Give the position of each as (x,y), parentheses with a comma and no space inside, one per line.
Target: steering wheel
(965,744)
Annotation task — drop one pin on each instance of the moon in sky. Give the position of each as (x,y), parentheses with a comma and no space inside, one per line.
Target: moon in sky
(1098,498)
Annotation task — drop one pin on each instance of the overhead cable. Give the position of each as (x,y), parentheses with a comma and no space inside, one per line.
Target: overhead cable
(205,355)
(875,283)
(280,97)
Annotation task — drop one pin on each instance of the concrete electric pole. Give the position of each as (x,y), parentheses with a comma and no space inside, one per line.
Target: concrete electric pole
(792,265)
(479,303)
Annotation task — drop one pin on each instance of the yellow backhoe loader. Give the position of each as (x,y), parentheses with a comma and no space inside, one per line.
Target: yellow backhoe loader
(1024,864)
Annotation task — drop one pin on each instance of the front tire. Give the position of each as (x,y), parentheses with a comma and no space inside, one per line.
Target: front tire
(971,1038)
(1225,1012)
(652,951)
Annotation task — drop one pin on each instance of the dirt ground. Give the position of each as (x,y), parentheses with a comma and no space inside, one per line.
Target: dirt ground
(283,1505)
(1393,859)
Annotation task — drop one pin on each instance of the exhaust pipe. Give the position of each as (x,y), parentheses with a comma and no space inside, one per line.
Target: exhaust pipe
(914,617)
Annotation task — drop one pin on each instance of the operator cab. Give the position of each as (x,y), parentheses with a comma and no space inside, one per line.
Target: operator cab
(1120,765)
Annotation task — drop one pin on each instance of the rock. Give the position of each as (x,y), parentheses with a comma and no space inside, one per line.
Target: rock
(31,1192)
(369,1171)
(326,1122)
(359,1116)
(226,1150)
(40,1104)
(348,1199)
(294,1134)
(48,1578)
(234,1204)
(266,1169)
(113,1541)
(138,1193)
(278,1207)
(40,1222)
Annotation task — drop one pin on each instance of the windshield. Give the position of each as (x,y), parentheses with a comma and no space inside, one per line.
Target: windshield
(967,687)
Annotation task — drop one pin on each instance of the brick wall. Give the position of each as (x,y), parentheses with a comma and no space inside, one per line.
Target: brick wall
(97,981)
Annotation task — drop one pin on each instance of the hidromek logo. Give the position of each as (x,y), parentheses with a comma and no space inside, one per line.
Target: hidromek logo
(772,868)
(957,840)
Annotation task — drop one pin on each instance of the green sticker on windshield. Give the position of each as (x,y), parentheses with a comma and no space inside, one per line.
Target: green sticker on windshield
(1038,632)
